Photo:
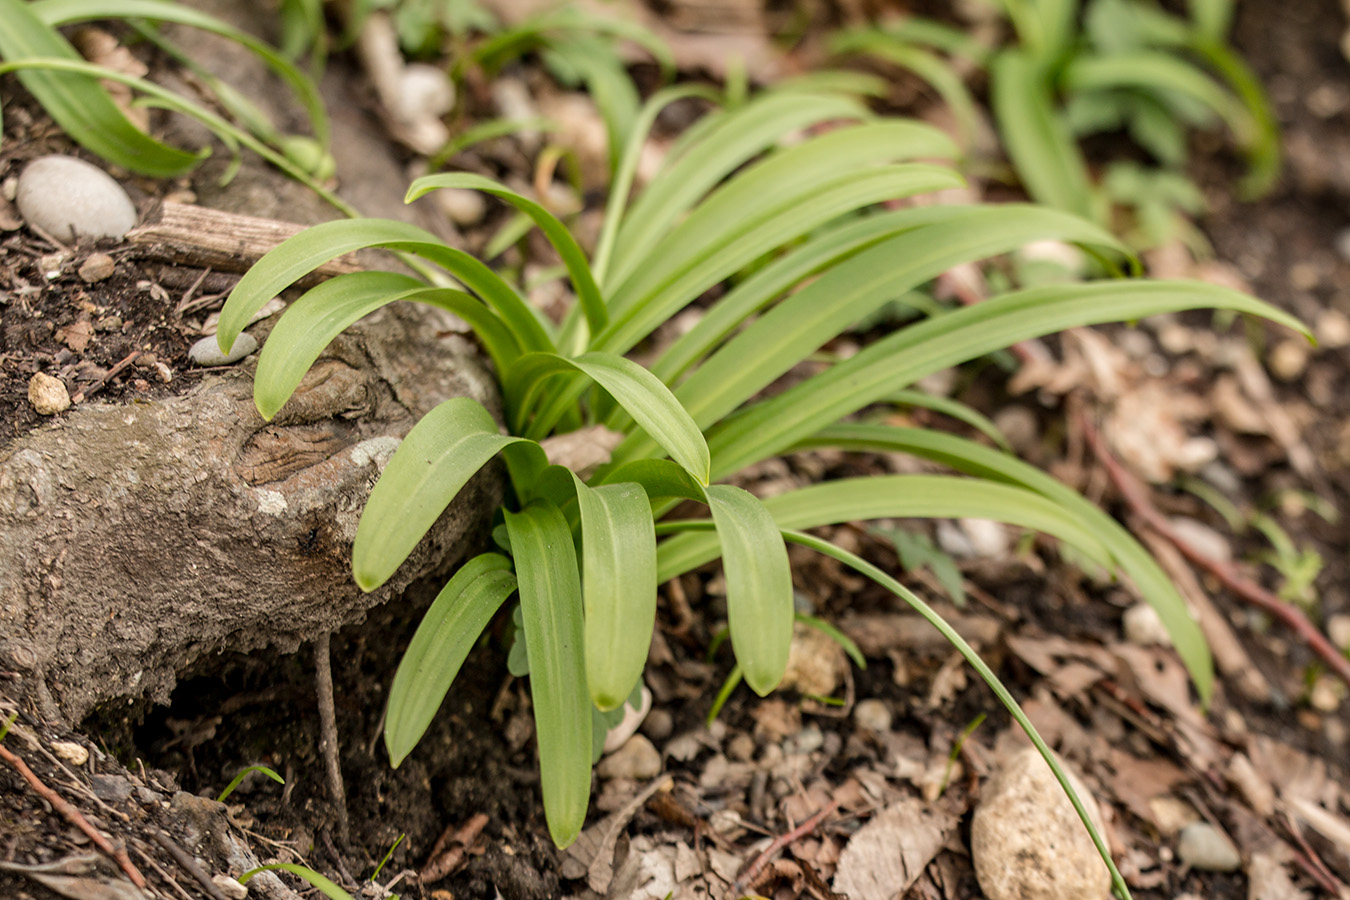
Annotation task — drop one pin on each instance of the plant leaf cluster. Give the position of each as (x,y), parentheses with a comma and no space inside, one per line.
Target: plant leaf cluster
(1071,69)
(743,200)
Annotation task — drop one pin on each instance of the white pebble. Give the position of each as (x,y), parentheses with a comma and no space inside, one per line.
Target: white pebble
(48,395)
(206,352)
(873,715)
(1027,841)
(70,199)
(628,725)
(229,887)
(637,759)
(1338,629)
(1144,627)
(71,752)
(1204,847)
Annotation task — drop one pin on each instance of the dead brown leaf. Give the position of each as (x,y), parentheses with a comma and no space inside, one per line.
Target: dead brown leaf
(887,854)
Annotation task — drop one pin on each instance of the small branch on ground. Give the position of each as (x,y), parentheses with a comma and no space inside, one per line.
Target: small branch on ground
(85,393)
(328,734)
(780,843)
(1136,496)
(75,817)
(189,865)
(448,851)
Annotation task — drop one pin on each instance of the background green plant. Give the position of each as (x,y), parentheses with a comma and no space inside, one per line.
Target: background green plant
(1072,69)
(776,219)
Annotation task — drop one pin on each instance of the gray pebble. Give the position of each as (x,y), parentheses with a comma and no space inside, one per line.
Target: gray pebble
(873,715)
(111,788)
(71,199)
(206,352)
(1202,846)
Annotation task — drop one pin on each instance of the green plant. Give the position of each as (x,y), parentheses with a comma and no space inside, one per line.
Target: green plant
(1130,66)
(731,196)
(243,773)
(69,90)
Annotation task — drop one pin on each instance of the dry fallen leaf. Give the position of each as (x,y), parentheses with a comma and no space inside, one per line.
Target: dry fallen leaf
(887,854)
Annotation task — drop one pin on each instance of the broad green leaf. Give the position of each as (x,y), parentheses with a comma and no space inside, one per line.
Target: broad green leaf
(78,103)
(551,610)
(660,478)
(955,409)
(573,258)
(66,12)
(437,458)
(736,138)
(451,627)
(897,497)
(297,256)
(759,584)
(325,311)
(973,459)
(619,587)
(1045,155)
(900,359)
(968,653)
(637,391)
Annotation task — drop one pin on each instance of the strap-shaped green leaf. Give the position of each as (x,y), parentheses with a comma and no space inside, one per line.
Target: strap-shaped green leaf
(437,458)
(900,359)
(640,393)
(974,459)
(551,610)
(78,103)
(325,311)
(618,543)
(66,12)
(898,497)
(451,627)
(592,304)
(297,256)
(759,584)
(320,883)
(1046,157)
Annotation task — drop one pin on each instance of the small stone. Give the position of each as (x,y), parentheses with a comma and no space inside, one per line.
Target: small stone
(1255,788)
(71,752)
(1019,426)
(1326,694)
(1332,328)
(1204,847)
(229,887)
(816,663)
(464,207)
(48,395)
(988,538)
(1144,627)
(206,352)
(741,747)
(1338,629)
(638,759)
(71,199)
(1289,359)
(1200,536)
(49,264)
(423,90)
(658,725)
(628,725)
(97,267)
(266,311)
(1027,843)
(808,740)
(873,715)
(1171,814)
(111,788)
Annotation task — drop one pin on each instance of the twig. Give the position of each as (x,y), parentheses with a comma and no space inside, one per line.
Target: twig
(445,858)
(328,734)
(1293,618)
(74,817)
(801,831)
(169,879)
(97,386)
(189,865)
(1311,862)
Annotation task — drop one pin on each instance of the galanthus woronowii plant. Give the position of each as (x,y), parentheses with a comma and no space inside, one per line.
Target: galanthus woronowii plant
(586,555)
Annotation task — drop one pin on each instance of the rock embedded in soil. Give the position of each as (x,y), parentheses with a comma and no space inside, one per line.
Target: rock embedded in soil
(48,395)
(873,715)
(1143,626)
(628,725)
(207,352)
(1204,847)
(1027,842)
(71,199)
(98,267)
(638,759)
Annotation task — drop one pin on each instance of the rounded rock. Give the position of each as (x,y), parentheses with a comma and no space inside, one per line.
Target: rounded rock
(637,759)
(48,395)
(629,724)
(873,715)
(71,199)
(206,352)
(1027,841)
(98,267)
(1204,847)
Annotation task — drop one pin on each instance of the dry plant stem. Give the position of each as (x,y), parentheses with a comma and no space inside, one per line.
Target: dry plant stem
(1137,497)
(448,851)
(74,817)
(1311,862)
(189,865)
(159,870)
(116,370)
(802,830)
(328,736)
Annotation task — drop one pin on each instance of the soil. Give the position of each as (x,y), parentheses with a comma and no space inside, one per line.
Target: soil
(736,781)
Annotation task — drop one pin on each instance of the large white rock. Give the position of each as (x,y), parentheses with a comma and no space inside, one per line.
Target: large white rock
(1027,842)
(71,199)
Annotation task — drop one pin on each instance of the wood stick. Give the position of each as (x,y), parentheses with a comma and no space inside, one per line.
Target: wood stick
(74,817)
(1137,497)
